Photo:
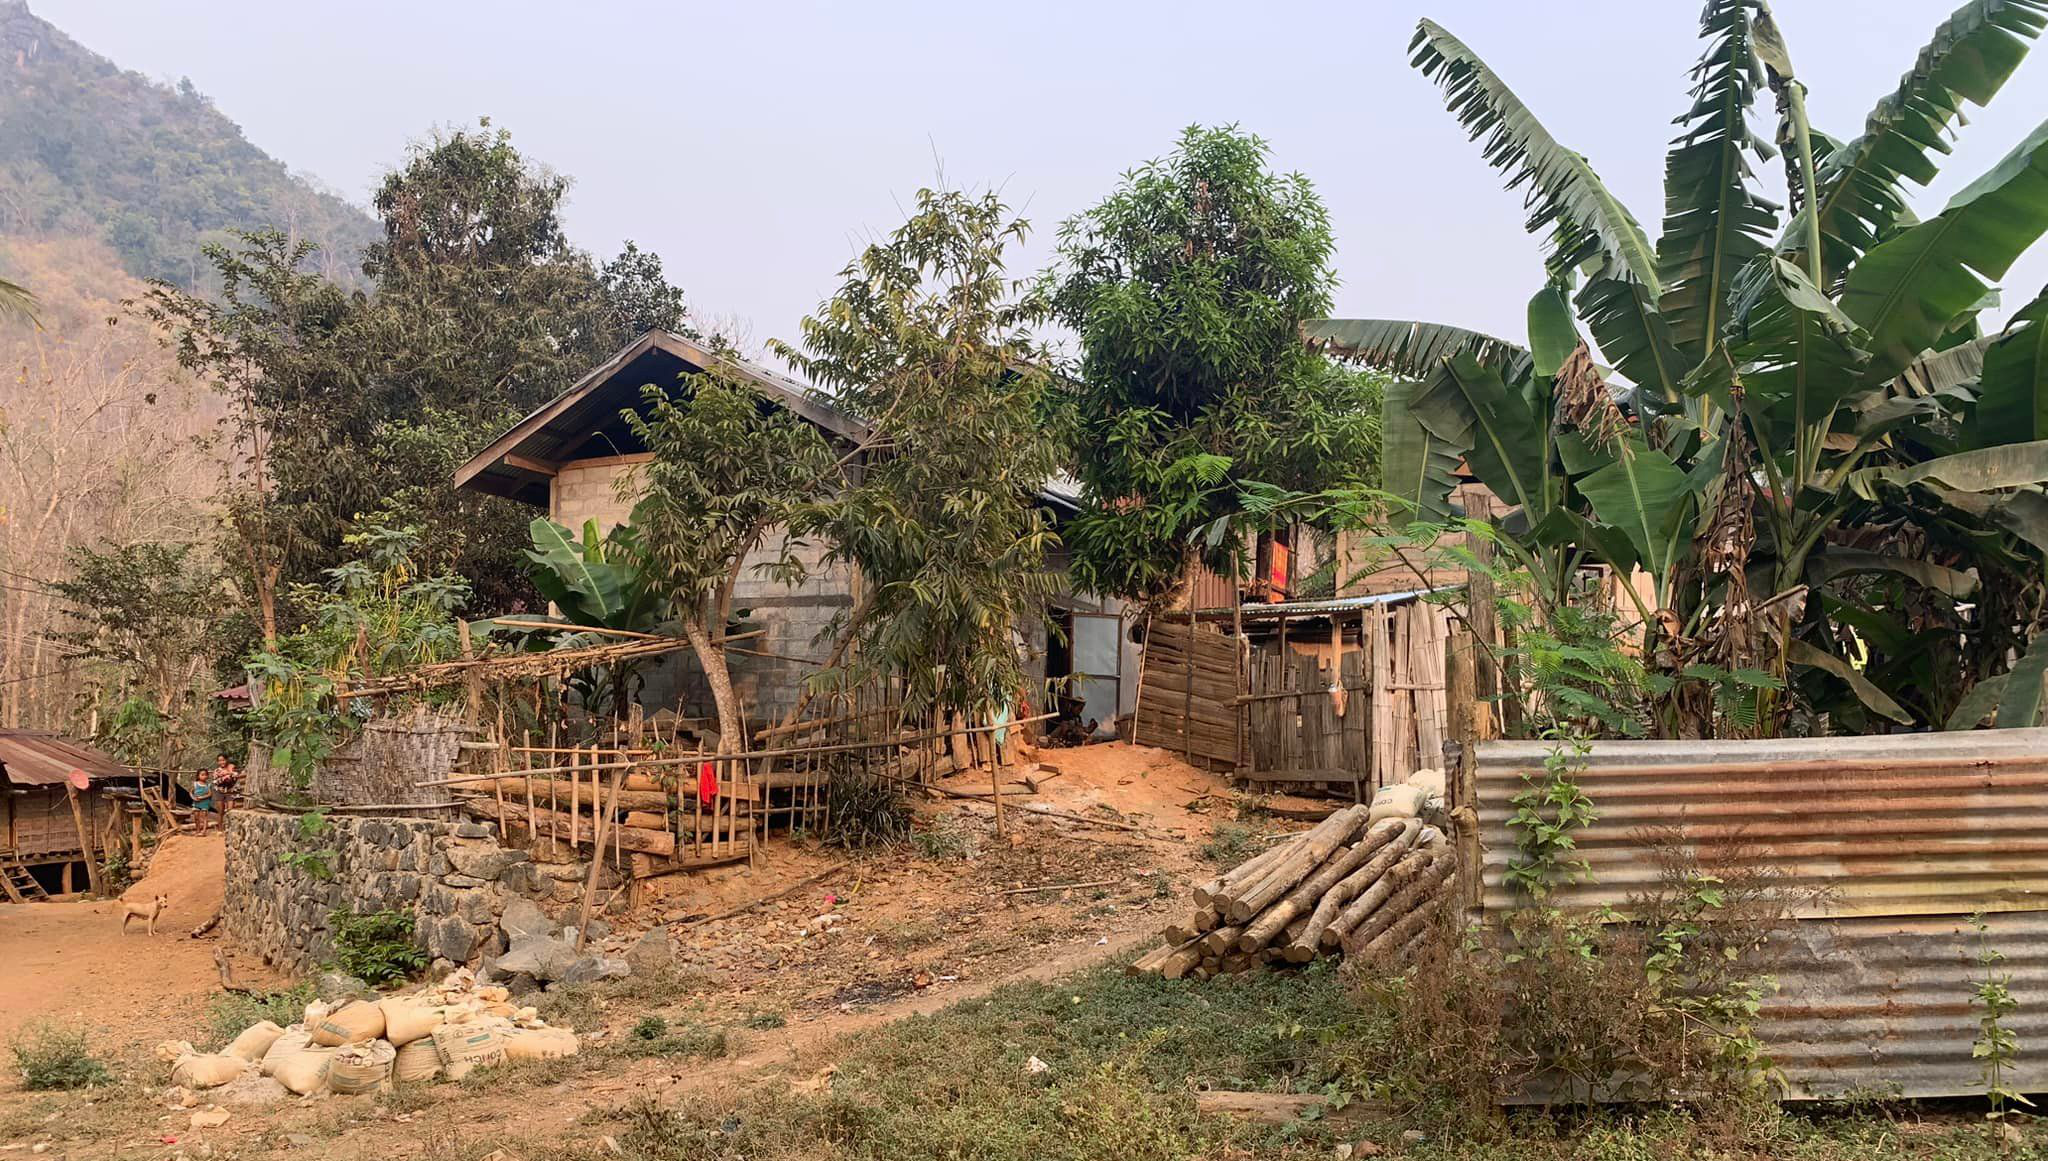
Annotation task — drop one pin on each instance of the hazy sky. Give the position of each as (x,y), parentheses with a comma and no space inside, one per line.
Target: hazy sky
(753,146)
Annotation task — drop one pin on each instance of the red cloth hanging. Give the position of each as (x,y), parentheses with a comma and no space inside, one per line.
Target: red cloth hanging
(707,784)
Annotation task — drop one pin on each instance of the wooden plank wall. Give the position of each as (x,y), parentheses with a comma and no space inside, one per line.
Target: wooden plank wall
(1367,719)
(1187,694)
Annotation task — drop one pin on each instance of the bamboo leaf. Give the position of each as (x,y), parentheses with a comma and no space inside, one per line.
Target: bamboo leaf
(1801,653)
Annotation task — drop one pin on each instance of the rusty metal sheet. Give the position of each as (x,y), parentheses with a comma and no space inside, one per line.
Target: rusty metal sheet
(1881,1006)
(29,758)
(1915,824)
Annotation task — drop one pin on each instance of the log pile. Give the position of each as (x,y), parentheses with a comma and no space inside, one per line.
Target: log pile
(1362,887)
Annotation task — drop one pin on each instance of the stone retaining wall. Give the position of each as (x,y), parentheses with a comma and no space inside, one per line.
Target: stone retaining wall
(452,876)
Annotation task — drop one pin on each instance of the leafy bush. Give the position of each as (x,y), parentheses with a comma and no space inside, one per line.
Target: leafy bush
(376,947)
(688,1040)
(866,812)
(53,1057)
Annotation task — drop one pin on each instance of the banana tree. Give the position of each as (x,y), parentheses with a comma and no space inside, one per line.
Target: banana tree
(1794,405)
(592,585)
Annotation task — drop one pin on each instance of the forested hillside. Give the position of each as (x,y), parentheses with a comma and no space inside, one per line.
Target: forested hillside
(90,149)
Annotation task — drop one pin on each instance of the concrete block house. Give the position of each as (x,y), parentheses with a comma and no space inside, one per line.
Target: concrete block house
(569,456)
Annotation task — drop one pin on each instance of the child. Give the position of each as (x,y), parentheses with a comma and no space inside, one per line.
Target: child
(202,799)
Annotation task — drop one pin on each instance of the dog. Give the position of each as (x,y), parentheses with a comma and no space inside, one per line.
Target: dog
(132,909)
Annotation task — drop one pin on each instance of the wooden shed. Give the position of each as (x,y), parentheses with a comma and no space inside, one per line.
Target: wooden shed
(53,804)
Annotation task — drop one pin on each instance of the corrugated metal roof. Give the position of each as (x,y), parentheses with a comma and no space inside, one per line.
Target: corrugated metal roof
(1916,824)
(28,758)
(1907,835)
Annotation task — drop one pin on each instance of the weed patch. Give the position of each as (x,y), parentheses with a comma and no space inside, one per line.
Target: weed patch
(50,1056)
(228,1013)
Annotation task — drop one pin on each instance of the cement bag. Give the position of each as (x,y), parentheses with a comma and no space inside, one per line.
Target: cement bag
(417,1062)
(1400,801)
(1431,839)
(305,1071)
(315,1012)
(172,1051)
(407,1020)
(255,1041)
(207,1071)
(1429,781)
(352,1023)
(540,1043)
(294,1041)
(361,1067)
(467,1046)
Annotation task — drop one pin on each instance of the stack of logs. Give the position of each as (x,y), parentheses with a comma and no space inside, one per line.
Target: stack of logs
(1368,892)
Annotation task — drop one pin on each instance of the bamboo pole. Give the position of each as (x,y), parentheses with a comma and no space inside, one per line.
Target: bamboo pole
(596,862)
(85,845)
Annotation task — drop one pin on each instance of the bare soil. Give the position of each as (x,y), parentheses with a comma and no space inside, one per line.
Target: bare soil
(868,939)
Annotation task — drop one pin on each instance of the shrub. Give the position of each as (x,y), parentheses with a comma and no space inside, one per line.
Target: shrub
(377,946)
(944,840)
(228,1013)
(866,812)
(1231,843)
(52,1057)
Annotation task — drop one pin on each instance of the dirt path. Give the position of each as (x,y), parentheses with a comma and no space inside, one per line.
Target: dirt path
(72,962)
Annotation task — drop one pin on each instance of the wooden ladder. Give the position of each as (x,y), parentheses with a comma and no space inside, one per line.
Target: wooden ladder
(20,885)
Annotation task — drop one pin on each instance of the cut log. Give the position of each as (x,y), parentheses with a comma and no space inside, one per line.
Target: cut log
(1298,864)
(1415,888)
(1304,946)
(1411,927)
(1221,940)
(1190,926)
(1302,900)
(1280,1108)
(1372,898)
(629,799)
(1206,893)
(1184,959)
(632,838)
(1151,962)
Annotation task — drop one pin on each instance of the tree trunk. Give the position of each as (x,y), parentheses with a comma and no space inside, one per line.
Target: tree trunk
(732,731)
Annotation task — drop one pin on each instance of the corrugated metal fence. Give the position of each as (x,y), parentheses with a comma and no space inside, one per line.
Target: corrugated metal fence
(1896,841)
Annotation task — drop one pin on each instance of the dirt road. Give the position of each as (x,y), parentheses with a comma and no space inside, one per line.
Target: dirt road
(71,962)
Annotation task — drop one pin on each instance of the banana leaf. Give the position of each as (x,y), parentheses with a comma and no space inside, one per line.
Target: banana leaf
(1552,333)
(2012,465)
(1506,441)
(1419,468)
(1714,221)
(1647,497)
(1839,562)
(587,591)
(1980,703)
(2012,387)
(1878,701)
(1969,58)
(1410,350)
(1909,289)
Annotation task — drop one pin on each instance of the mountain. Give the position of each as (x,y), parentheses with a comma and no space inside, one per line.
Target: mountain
(90,149)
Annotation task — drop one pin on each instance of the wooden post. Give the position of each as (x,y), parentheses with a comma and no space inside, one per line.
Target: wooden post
(1483,615)
(1187,705)
(1242,715)
(472,682)
(1463,731)
(92,862)
(596,860)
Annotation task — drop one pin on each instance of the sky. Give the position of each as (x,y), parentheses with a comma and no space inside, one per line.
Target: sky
(756,146)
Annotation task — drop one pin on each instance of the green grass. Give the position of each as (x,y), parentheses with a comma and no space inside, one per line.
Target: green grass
(1232,843)
(1125,1054)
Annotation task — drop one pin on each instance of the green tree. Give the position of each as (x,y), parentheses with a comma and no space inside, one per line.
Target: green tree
(1187,287)
(1811,410)
(925,343)
(150,612)
(729,474)
(364,403)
